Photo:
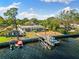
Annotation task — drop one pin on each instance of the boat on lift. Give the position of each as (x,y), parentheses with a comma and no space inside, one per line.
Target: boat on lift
(51,41)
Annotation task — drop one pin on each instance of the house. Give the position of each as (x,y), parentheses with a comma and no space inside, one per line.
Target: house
(32,28)
(23,29)
(13,33)
(74,25)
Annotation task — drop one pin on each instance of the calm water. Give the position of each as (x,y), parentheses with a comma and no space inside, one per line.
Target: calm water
(67,50)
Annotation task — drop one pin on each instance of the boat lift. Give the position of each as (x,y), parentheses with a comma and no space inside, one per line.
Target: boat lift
(55,40)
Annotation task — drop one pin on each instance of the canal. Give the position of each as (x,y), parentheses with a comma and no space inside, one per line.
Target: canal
(67,50)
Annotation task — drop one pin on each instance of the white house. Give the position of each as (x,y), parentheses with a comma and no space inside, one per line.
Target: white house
(31,28)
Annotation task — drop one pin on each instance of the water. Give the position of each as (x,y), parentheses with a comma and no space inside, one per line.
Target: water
(67,50)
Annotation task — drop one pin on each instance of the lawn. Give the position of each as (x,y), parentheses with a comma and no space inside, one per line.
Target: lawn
(34,34)
(4,39)
(31,35)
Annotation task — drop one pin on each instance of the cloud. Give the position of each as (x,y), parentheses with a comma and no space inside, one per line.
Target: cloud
(33,14)
(67,10)
(30,13)
(60,1)
(27,14)
(4,9)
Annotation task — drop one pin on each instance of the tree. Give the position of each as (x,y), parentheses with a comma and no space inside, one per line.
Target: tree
(9,21)
(11,14)
(53,23)
(75,15)
(69,14)
(34,20)
(68,17)
(2,21)
(23,22)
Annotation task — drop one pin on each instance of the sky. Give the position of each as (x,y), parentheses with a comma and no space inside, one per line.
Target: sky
(40,9)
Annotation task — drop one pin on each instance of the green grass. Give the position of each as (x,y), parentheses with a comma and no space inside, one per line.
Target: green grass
(4,39)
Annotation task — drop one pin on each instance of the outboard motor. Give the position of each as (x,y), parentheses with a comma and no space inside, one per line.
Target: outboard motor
(12,45)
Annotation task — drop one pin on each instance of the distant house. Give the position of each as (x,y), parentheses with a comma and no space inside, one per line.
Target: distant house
(62,26)
(74,25)
(32,28)
(23,29)
(14,33)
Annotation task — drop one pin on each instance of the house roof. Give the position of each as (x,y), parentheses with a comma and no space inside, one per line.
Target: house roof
(32,26)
